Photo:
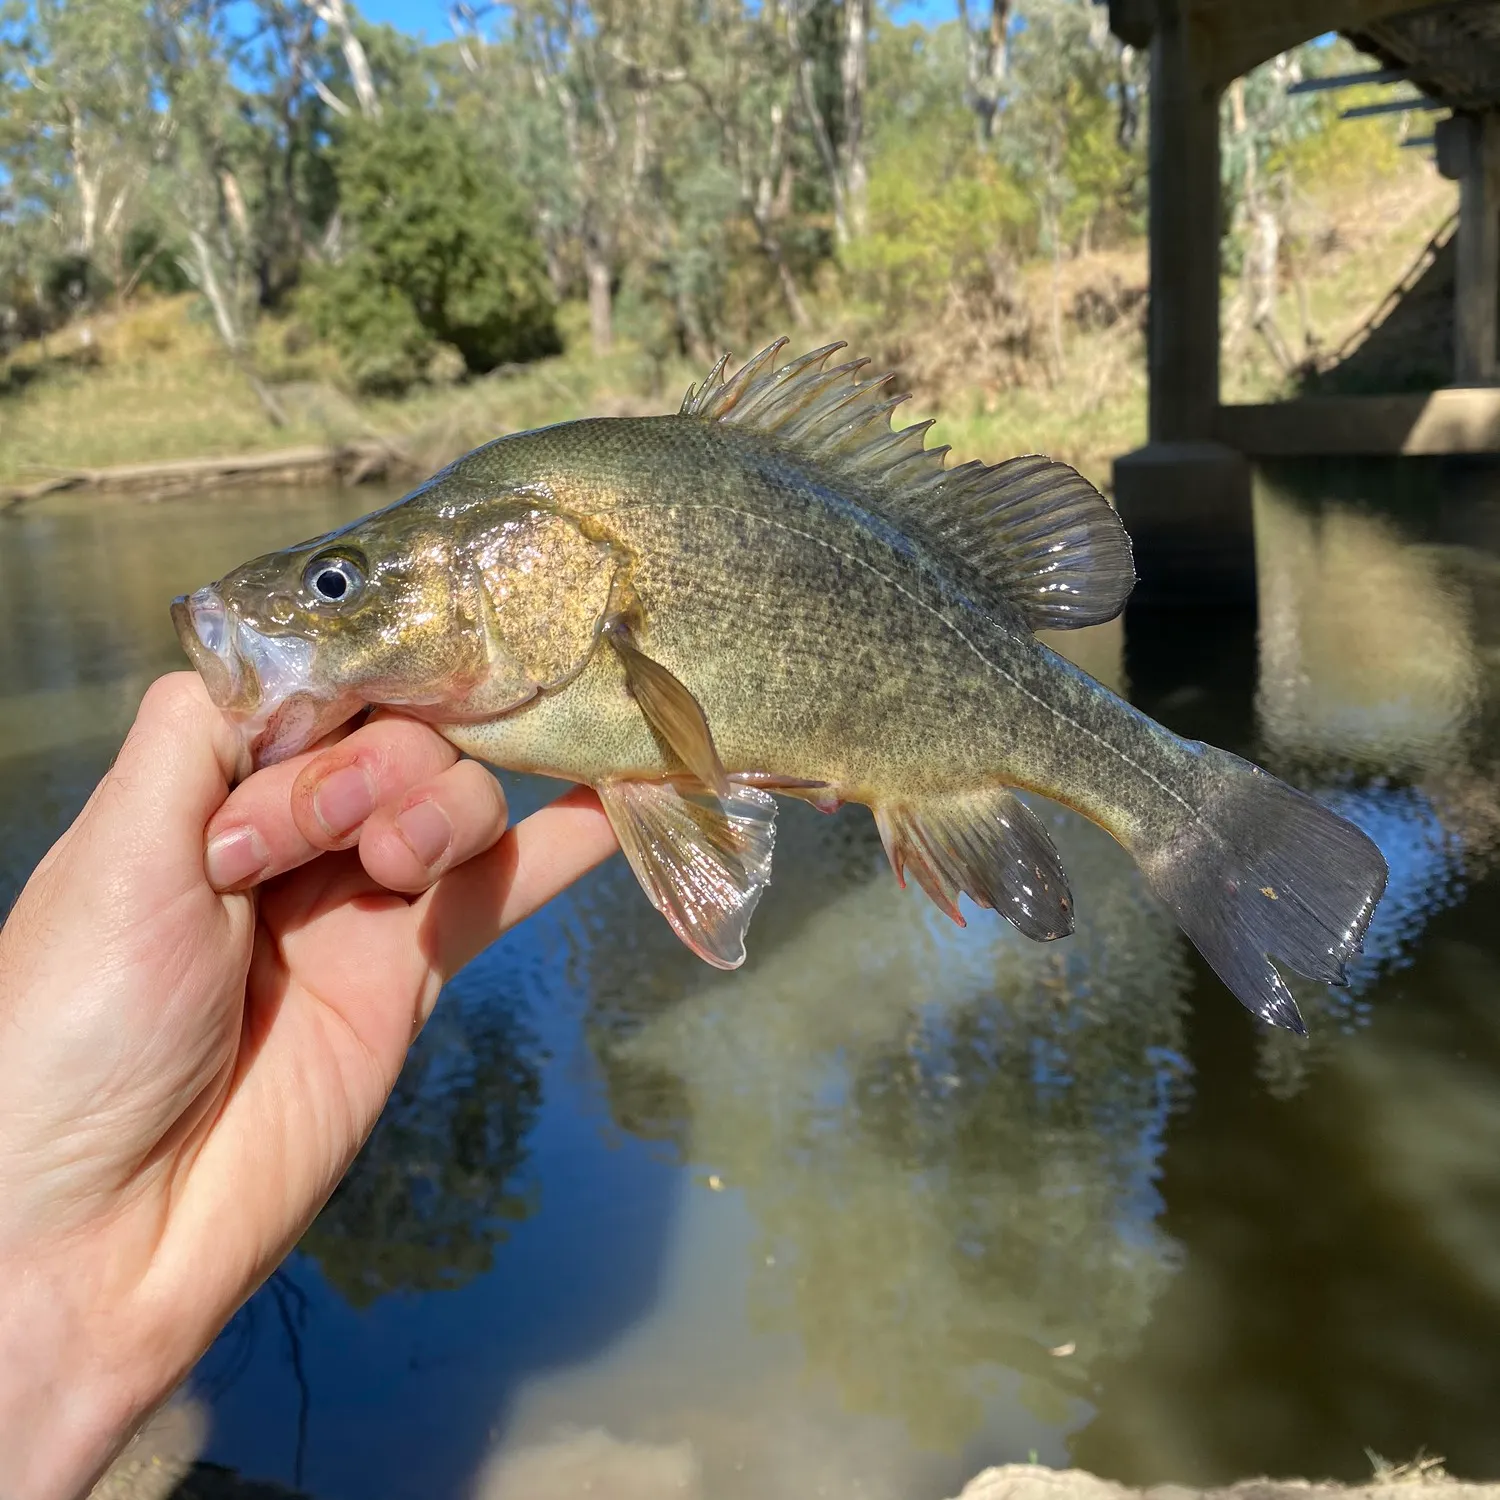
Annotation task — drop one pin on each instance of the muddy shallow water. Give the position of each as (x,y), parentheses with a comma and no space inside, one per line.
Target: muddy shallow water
(897,1201)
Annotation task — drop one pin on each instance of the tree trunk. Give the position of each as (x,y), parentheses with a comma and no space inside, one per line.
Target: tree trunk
(1059,353)
(691,339)
(228,325)
(333,15)
(770,245)
(854,71)
(824,142)
(986,63)
(597,271)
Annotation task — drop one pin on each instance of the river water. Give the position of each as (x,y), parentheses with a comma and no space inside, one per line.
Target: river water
(896,1200)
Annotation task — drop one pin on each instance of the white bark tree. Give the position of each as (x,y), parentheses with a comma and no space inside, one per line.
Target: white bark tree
(335,16)
(840,150)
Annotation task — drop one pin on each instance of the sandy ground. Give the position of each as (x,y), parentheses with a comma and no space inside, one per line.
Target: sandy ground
(160,1464)
(1027,1482)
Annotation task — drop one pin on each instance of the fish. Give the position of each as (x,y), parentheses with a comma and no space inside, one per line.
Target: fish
(776,592)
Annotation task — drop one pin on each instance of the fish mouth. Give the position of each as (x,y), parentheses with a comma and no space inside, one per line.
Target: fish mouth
(203,627)
(262,683)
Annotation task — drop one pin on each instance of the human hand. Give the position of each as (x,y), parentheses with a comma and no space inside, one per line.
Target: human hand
(185,1074)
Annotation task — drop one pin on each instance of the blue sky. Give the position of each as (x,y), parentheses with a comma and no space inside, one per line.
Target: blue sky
(430,17)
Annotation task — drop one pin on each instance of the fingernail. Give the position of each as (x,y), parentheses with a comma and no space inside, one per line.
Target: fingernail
(343,800)
(233,858)
(427,831)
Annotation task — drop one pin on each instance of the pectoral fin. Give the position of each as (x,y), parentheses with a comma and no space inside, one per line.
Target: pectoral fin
(702,860)
(673,713)
(987,845)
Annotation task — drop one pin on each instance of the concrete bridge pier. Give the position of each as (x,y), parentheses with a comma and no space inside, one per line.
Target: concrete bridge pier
(1469,153)
(1185,498)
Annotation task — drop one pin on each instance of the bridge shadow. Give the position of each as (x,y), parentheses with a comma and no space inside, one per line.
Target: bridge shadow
(1334,1202)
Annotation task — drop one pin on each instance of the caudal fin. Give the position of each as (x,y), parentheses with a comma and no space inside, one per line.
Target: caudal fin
(1264,872)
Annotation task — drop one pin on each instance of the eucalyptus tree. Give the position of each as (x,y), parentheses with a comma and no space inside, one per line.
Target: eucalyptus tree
(593,125)
(731,81)
(1261,125)
(76,130)
(1055,128)
(837,125)
(986,61)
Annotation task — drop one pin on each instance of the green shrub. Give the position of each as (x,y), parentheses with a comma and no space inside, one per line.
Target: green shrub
(440,252)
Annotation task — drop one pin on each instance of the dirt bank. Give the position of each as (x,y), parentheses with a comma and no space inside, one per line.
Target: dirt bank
(160,1464)
(1029,1482)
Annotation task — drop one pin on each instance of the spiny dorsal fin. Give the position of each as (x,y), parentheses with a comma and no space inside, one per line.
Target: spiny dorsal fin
(1034,529)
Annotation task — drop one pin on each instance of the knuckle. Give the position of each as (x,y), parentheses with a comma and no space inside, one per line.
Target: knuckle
(172,697)
(398,751)
(486,785)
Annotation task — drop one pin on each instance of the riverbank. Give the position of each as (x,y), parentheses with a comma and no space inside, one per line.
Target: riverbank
(161,1465)
(1415,1481)
(106,400)
(149,387)
(359,462)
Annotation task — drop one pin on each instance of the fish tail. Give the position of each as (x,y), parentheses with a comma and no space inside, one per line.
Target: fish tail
(1253,871)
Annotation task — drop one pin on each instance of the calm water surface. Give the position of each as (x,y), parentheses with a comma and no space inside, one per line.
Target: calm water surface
(896,1200)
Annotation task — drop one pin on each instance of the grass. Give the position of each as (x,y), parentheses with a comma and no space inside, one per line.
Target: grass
(151,383)
(1093,411)
(1423,1469)
(1373,228)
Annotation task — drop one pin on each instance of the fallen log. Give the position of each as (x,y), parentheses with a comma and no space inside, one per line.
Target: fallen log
(349,463)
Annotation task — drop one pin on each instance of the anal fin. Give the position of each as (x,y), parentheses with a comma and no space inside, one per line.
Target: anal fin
(987,845)
(702,860)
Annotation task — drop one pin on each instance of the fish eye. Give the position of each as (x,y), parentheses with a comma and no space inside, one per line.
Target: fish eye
(335,579)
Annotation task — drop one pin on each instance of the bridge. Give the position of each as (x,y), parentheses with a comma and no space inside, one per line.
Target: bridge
(1185,496)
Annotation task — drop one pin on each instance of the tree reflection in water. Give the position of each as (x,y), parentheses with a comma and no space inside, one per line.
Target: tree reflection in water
(949,1145)
(441,1181)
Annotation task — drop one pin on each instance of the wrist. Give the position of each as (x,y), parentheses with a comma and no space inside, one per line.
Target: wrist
(71,1393)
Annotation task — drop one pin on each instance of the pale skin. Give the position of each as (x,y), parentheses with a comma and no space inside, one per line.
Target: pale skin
(206,995)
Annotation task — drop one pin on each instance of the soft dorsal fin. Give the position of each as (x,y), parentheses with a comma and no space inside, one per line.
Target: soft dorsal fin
(1035,530)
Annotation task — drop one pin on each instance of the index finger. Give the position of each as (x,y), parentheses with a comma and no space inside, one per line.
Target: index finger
(270,823)
(536,860)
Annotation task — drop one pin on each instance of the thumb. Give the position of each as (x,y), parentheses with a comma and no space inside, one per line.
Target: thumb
(143,828)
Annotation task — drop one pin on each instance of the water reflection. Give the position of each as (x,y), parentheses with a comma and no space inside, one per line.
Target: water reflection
(950,1157)
(436,1189)
(1338,1288)
(896,1200)
(1379,646)
(1367,650)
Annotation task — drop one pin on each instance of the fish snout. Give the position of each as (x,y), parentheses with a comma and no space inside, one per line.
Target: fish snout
(265,684)
(206,631)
